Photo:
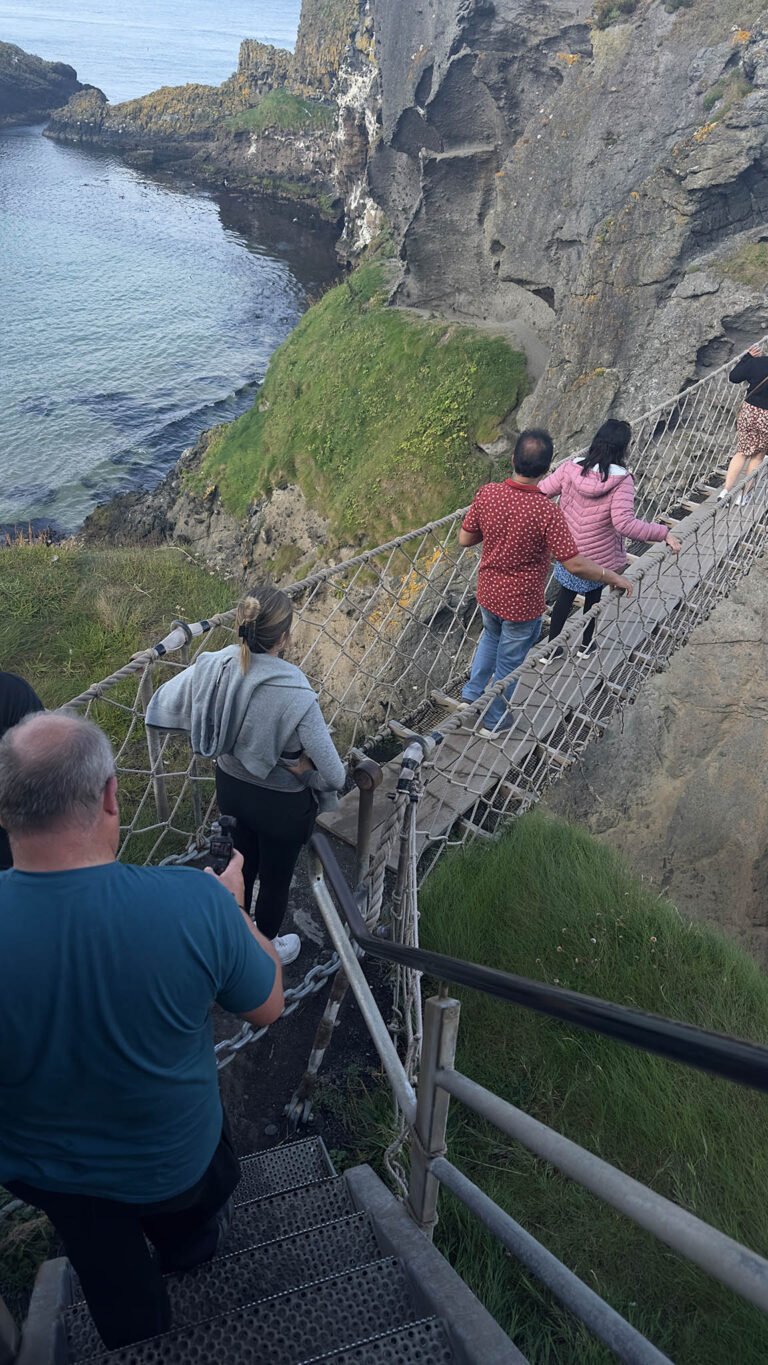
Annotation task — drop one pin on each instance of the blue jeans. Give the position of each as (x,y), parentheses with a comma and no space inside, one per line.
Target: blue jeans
(501,649)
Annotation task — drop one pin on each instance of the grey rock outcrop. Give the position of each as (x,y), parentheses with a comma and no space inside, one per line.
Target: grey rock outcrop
(281,536)
(569,183)
(680,786)
(31,87)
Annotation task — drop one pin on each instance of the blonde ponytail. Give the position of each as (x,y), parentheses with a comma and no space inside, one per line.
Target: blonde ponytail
(262,619)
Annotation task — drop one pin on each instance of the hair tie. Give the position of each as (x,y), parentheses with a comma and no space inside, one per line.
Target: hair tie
(243,631)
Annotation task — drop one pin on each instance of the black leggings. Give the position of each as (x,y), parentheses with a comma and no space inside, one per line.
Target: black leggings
(106,1241)
(272,828)
(561,609)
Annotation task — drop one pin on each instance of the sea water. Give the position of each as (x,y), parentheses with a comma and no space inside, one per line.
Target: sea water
(134,312)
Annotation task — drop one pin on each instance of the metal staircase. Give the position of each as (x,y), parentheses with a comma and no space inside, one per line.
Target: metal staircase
(317,1267)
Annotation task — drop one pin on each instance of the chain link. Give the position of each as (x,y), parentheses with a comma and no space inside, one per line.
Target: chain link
(313,983)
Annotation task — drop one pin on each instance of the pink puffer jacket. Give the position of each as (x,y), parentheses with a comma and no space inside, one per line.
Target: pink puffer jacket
(600,514)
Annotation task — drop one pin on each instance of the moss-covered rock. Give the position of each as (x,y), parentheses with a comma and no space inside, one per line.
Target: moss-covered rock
(378,415)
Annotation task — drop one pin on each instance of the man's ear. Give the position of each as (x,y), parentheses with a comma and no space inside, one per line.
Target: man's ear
(110,797)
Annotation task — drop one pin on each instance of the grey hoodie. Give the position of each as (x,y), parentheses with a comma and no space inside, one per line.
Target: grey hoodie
(254,717)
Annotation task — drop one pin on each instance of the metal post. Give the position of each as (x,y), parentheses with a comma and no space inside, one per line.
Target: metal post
(367,776)
(155,750)
(441,1027)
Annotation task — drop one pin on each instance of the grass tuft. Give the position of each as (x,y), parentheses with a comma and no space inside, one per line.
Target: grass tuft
(749,265)
(374,412)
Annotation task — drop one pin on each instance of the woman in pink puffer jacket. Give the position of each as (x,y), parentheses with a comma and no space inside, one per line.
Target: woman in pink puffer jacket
(597,499)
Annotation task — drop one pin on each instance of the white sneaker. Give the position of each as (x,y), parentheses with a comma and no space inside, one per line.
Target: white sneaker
(287,947)
(724,496)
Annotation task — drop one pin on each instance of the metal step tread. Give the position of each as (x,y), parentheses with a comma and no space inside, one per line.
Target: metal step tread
(315,1319)
(278,1215)
(244,1277)
(283,1168)
(420,1343)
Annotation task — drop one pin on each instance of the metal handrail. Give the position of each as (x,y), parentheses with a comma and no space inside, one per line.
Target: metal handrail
(720,1256)
(726,1260)
(733,1059)
(631,1346)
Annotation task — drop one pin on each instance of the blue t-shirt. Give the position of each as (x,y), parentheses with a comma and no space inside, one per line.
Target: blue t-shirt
(108,1080)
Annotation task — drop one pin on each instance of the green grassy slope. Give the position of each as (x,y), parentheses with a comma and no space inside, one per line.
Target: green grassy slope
(549,903)
(280,110)
(70,615)
(374,412)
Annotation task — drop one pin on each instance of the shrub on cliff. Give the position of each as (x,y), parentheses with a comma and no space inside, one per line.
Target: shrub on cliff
(607,12)
(375,412)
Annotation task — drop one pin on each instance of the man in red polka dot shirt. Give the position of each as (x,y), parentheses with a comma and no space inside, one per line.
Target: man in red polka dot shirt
(522,532)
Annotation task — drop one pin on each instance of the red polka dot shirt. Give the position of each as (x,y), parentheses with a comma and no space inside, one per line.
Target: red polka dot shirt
(522,533)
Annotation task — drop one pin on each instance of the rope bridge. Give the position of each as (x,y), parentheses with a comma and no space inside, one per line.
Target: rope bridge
(386,637)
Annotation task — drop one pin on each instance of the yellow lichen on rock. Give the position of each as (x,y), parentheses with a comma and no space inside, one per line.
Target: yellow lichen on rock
(704,131)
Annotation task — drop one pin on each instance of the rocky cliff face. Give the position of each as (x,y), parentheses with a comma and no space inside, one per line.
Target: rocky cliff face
(281,535)
(680,785)
(587,188)
(30,87)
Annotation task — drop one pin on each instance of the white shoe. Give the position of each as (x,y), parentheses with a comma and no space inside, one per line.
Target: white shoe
(287,947)
(500,733)
(552,658)
(724,496)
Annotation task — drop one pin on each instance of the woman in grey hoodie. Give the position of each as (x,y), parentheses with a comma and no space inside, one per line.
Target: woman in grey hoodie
(258,716)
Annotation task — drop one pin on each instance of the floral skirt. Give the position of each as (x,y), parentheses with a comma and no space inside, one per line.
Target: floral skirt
(572,582)
(752,431)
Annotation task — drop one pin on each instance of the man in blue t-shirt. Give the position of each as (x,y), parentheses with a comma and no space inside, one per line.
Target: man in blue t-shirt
(110,1116)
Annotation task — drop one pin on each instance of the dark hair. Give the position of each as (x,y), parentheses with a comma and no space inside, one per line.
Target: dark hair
(533,453)
(262,619)
(609,446)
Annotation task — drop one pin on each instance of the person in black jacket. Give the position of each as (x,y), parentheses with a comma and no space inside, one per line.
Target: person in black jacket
(17,700)
(752,423)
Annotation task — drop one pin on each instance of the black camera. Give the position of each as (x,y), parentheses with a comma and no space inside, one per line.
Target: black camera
(222,843)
